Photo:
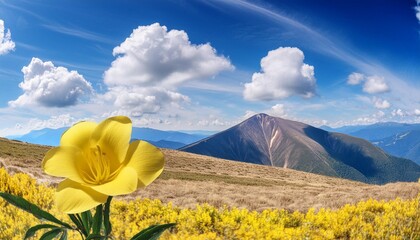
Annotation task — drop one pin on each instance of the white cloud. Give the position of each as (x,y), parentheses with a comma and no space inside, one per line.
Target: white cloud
(380,103)
(371,84)
(375,84)
(46,85)
(417,8)
(398,112)
(54,122)
(6,43)
(152,63)
(379,114)
(355,78)
(152,56)
(144,100)
(248,114)
(277,110)
(283,74)
(417,112)
(214,122)
(325,44)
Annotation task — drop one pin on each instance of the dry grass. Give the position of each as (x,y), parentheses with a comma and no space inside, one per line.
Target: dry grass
(189,179)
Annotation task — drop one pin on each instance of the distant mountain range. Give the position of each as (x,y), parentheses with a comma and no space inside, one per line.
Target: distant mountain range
(267,140)
(46,136)
(375,131)
(399,139)
(164,139)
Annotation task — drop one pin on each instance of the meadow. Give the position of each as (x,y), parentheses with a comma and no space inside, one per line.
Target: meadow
(218,199)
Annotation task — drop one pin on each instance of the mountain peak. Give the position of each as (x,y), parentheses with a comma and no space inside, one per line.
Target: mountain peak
(261,115)
(267,140)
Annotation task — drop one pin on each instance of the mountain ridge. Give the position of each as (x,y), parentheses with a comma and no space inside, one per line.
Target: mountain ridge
(389,136)
(267,140)
(375,131)
(160,138)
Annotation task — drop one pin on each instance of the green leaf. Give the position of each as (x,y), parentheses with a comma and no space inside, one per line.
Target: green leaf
(87,220)
(31,231)
(31,208)
(153,232)
(107,223)
(51,234)
(76,220)
(97,220)
(64,235)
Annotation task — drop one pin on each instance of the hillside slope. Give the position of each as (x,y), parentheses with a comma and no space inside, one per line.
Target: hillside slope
(398,139)
(267,140)
(189,179)
(379,130)
(403,144)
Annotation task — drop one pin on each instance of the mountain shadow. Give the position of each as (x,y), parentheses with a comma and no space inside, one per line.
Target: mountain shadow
(267,140)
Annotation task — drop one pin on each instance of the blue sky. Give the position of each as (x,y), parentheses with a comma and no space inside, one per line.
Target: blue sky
(207,65)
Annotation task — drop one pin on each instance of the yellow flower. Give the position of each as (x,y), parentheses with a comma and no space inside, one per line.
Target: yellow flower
(98,161)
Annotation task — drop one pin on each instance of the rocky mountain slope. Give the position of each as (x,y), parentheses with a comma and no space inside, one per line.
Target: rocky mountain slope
(267,140)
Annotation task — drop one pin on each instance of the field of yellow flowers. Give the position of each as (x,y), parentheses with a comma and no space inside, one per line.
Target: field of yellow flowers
(396,219)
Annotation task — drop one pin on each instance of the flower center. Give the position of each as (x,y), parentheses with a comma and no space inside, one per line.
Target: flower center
(99,167)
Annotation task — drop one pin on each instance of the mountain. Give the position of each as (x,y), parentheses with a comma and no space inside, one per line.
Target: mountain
(165,139)
(46,136)
(267,140)
(398,139)
(344,129)
(403,144)
(154,135)
(376,131)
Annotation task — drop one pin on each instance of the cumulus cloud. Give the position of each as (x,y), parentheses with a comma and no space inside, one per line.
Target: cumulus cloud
(355,78)
(417,9)
(380,103)
(375,84)
(152,63)
(374,118)
(248,114)
(152,56)
(277,110)
(371,84)
(144,100)
(398,112)
(417,112)
(54,122)
(283,74)
(50,86)
(213,122)
(6,43)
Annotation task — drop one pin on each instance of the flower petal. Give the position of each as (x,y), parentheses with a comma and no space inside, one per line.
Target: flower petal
(64,161)
(124,183)
(113,136)
(78,135)
(147,160)
(72,197)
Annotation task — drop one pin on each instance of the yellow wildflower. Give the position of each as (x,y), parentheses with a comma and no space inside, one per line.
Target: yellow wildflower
(98,161)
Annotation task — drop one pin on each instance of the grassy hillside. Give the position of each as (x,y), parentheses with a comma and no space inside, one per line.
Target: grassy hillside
(189,179)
